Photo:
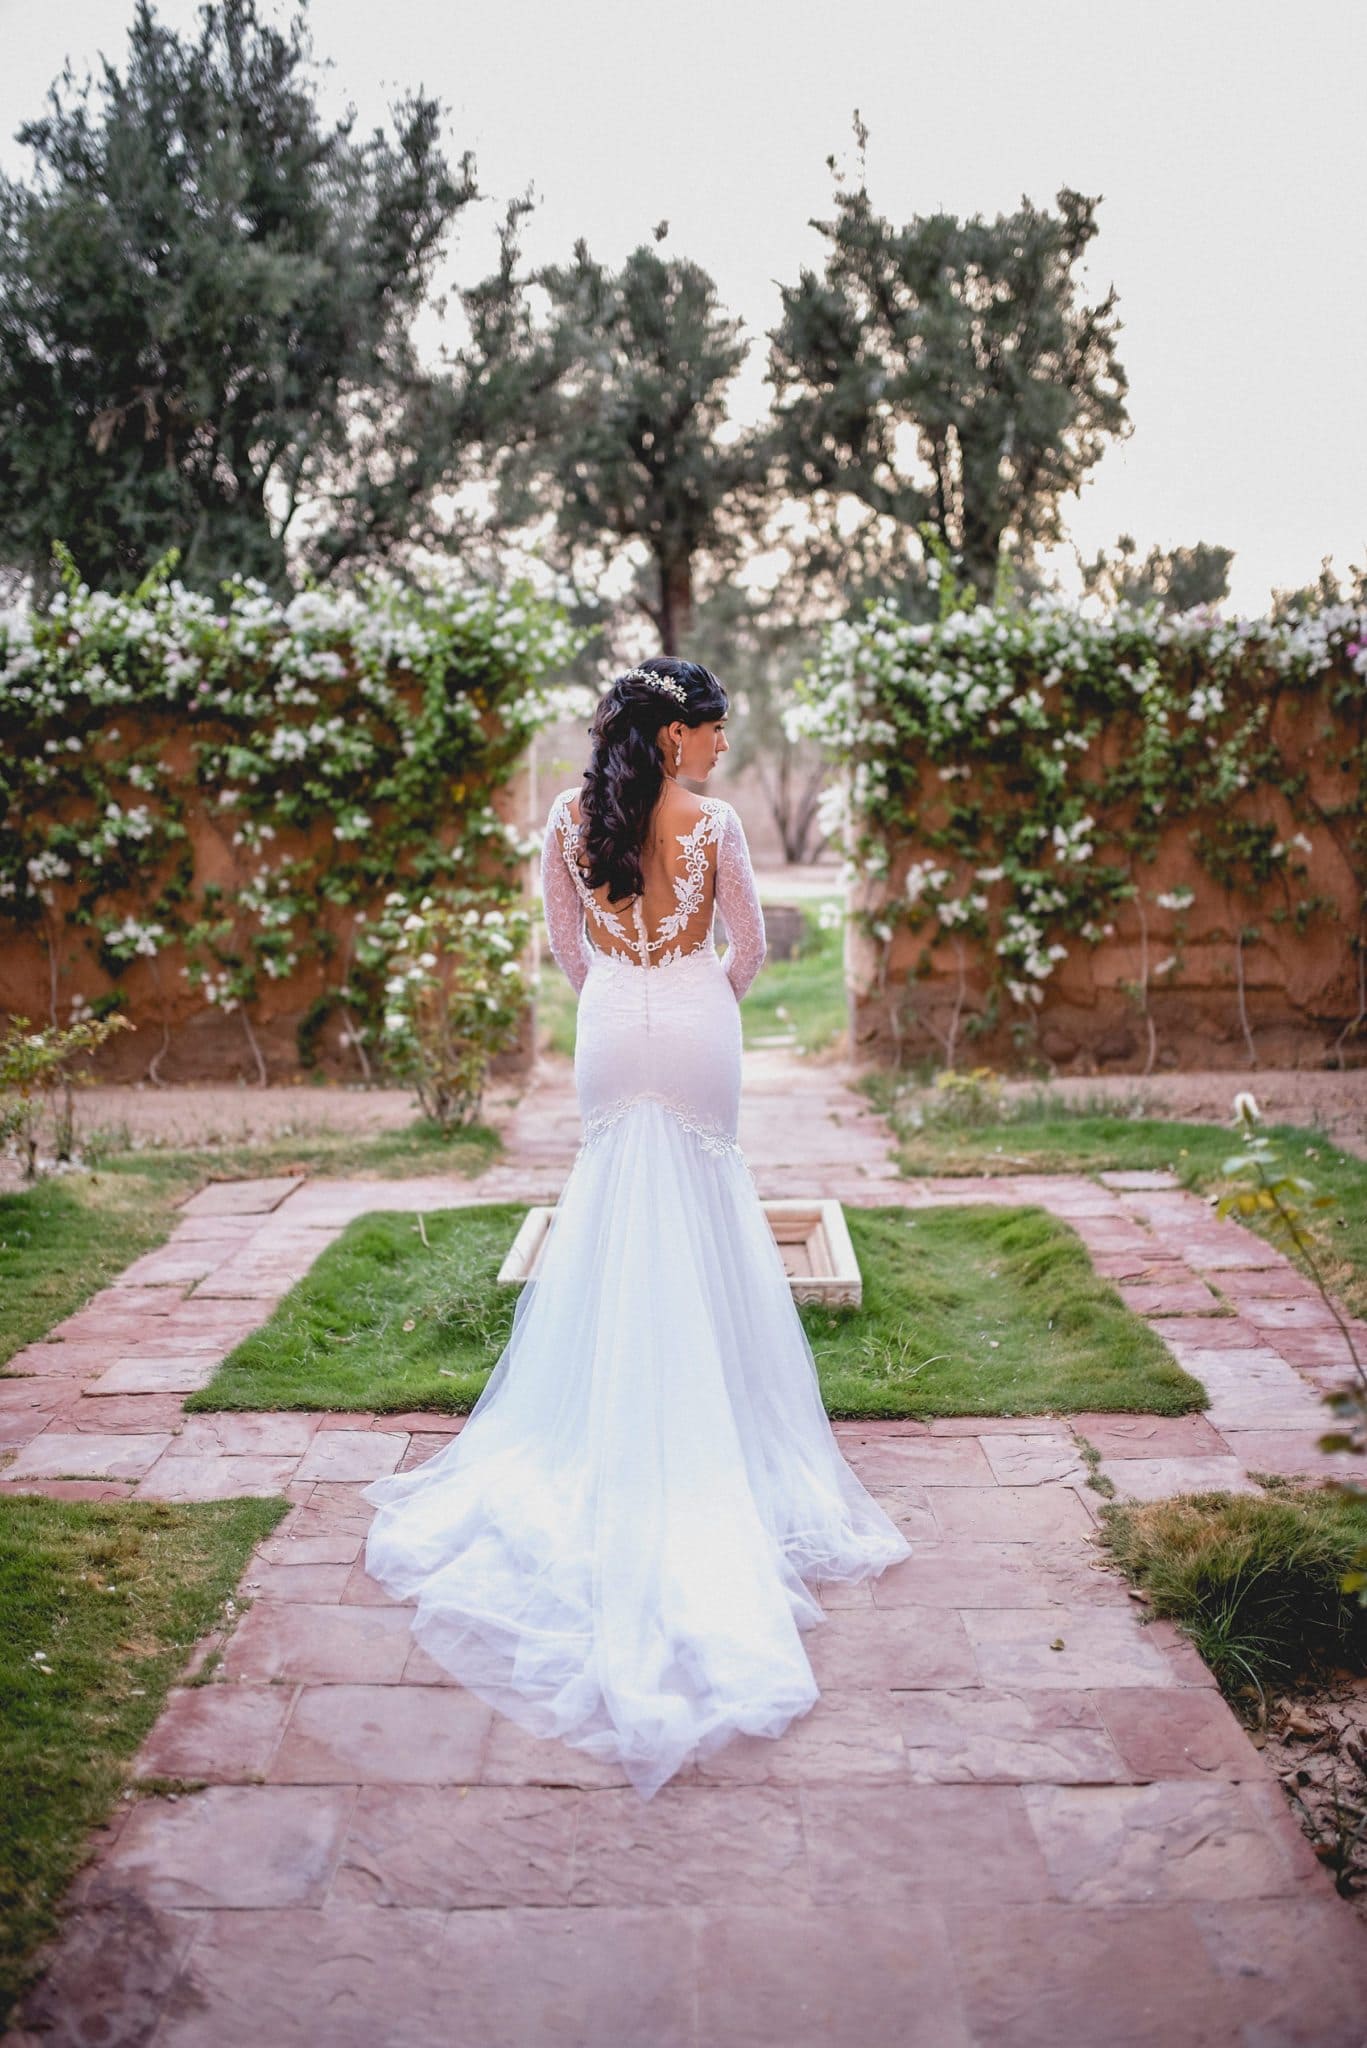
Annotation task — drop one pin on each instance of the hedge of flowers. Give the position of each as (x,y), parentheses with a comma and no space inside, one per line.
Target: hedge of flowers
(345,744)
(1034,759)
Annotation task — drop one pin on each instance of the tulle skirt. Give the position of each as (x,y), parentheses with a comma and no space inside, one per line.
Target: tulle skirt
(618,1548)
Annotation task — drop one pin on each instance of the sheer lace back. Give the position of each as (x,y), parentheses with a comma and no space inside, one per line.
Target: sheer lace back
(687,926)
(710,869)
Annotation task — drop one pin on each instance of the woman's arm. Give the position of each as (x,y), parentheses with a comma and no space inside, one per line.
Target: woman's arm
(564,912)
(738,901)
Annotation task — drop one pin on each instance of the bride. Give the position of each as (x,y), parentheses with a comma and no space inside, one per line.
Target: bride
(618,1547)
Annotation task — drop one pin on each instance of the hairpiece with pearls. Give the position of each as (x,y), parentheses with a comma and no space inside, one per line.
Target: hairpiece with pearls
(666,683)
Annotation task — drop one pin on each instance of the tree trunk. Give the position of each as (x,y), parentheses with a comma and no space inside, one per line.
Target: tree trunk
(792,798)
(676,602)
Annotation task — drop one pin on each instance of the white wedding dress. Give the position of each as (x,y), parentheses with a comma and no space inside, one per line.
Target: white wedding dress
(613,1549)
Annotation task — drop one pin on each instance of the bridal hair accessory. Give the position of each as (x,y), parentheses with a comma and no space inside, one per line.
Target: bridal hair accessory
(642,675)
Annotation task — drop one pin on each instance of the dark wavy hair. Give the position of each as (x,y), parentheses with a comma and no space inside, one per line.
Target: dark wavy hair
(625,775)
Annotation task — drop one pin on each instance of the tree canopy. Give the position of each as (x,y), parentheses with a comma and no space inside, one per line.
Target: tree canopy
(1176,580)
(618,428)
(948,371)
(205,297)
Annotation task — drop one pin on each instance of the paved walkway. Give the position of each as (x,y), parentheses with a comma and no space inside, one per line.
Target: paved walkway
(1018,1814)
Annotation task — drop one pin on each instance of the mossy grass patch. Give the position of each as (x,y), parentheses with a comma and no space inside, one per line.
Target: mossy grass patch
(100,1604)
(1254,1579)
(967,1310)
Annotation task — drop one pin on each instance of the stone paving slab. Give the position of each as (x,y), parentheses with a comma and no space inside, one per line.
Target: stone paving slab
(57,1358)
(1283,1451)
(354,1454)
(988,1734)
(1160,1478)
(83,1454)
(1105,1844)
(179,1264)
(26,1407)
(219,1732)
(1069,1647)
(231,1845)
(412,1735)
(1148,1436)
(1185,1733)
(216,1478)
(143,1374)
(242,1197)
(1019,1809)
(1043,1973)
(233,1434)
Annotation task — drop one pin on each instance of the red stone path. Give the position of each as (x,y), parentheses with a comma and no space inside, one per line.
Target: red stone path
(1018,1814)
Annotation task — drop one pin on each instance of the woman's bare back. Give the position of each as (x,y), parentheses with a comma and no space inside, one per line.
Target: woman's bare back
(678,867)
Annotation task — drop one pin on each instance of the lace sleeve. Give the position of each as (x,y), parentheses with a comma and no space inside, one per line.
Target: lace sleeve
(564,912)
(738,901)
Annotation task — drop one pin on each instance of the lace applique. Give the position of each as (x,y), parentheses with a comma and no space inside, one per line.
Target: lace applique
(738,900)
(570,902)
(629,964)
(609,919)
(601,1121)
(563,910)
(689,887)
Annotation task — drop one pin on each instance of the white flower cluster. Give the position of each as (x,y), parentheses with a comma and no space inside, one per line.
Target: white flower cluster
(1071,843)
(384,623)
(215,988)
(133,937)
(47,866)
(136,823)
(966,670)
(923,875)
(882,688)
(1023,944)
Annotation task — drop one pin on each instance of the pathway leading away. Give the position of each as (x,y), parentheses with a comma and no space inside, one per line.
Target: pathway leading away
(1019,1813)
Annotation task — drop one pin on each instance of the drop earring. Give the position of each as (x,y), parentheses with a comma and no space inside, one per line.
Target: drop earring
(678,752)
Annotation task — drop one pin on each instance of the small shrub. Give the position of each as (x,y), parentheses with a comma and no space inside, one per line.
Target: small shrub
(455,994)
(36,1078)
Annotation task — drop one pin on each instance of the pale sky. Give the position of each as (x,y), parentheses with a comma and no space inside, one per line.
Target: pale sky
(1228,139)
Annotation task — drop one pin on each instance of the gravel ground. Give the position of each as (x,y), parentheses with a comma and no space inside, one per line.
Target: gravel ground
(1333,1103)
(201,1114)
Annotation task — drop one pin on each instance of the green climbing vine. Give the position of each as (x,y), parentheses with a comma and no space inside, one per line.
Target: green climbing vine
(1008,774)
(217,796)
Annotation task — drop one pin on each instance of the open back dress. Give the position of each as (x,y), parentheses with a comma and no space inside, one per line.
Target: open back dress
(618,1548)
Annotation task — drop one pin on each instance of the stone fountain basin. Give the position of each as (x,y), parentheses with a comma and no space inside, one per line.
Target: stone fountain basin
(811,1233)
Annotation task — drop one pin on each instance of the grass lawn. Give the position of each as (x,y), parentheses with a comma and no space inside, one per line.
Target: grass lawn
(804,997)
(100,1603)
(981,1310)
(1039,1134)
(382,1321)
(62,1240)
(66,1237)
(967,1311)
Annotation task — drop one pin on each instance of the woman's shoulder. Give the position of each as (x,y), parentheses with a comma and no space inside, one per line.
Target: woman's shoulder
(692,812)
(688,809)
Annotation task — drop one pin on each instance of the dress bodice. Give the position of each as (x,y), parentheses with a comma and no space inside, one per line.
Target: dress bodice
(712,868)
